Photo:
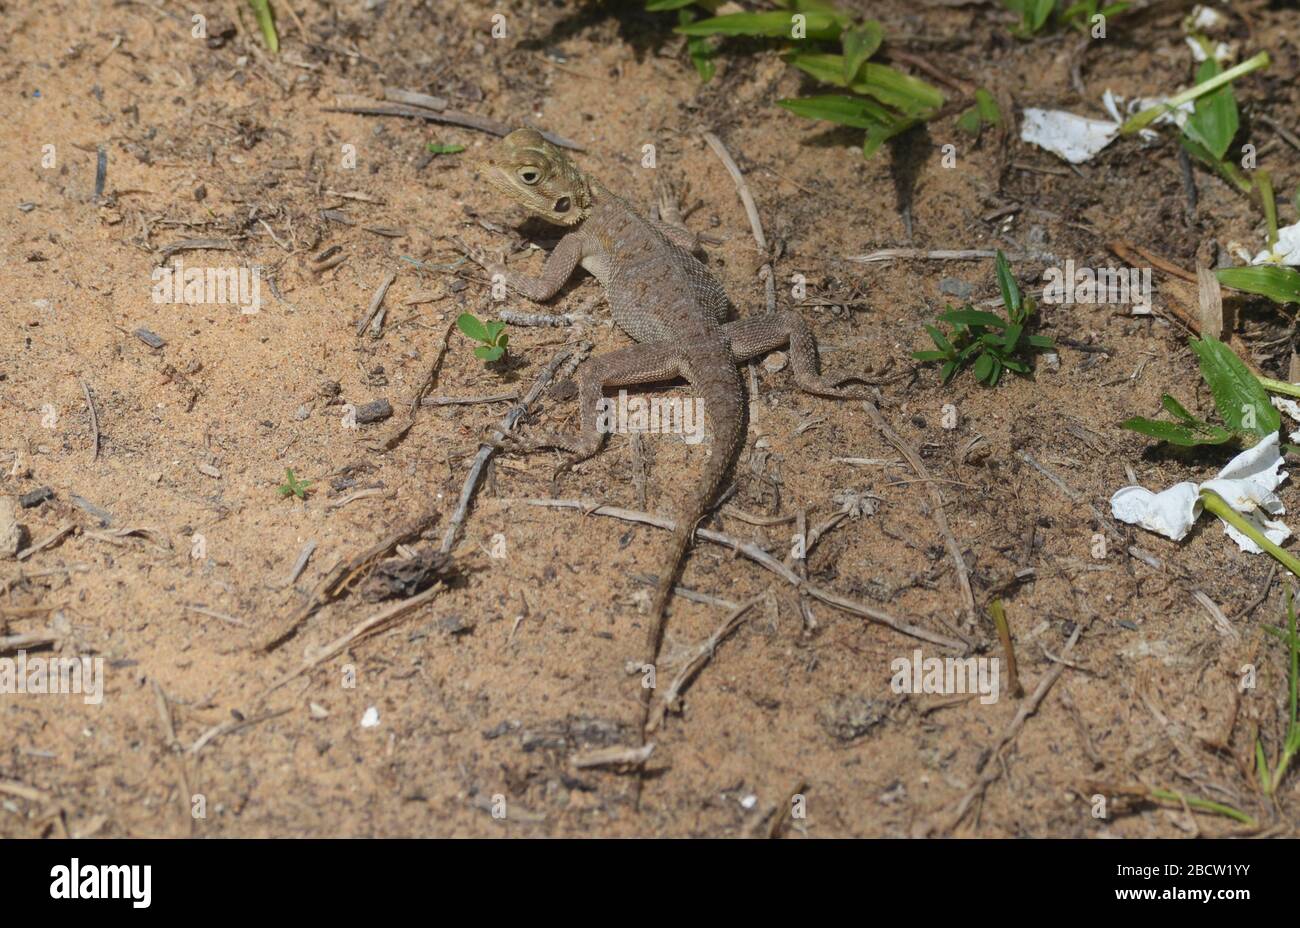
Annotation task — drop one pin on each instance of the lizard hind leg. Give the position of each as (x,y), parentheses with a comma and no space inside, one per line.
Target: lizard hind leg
(640,364)
(755,335)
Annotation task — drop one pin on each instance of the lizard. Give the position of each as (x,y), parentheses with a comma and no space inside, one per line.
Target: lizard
(668,301)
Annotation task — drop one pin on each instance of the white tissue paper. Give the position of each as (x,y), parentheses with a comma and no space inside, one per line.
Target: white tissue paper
(1246,484)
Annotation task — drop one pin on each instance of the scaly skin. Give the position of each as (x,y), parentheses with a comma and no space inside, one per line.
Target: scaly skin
(666,300)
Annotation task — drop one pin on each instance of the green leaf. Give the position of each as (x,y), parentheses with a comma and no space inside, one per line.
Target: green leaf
(880,134)
(1012,336)
(988,107)
(1238,394)
(1033,14)
(489,354)
(699,49)
(888,85)
(1175,433)
(859,44)
(266,22)
(840,109)
(1279,284)
(941,340)
(983,366)
(1214,121)
(494,329)
(776,24)
(468,324)
(1007,284)
(1172,405)
(930,355)
(439,149)
(660,6)
(948,370)
(974,317)
(969,121)
(1040,341)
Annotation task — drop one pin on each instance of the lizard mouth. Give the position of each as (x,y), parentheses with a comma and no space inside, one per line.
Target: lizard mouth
(562,205)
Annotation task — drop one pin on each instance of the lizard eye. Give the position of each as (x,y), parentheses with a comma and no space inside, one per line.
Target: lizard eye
(530,176)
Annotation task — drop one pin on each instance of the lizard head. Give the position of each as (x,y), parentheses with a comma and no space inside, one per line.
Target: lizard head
(538,176)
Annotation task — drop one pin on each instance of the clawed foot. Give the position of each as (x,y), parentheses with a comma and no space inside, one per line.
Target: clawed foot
(479,256)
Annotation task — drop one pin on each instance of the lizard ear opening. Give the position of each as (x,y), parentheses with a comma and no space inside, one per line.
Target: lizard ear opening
(562,205)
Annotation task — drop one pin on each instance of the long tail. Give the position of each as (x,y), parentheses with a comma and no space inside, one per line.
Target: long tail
(718,382)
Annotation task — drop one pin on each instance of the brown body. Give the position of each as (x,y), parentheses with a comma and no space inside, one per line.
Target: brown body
(665,299)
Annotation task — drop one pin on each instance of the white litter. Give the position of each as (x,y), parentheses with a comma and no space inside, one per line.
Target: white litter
(1078,139)
(1247,484)
(371,718)
(1286,251)
(1291,408)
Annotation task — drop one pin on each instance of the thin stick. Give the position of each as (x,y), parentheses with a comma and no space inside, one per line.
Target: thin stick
(376,301)
(923,254)
(378,622)
(703,654)
(756,554)
(59,534)
(230,619)
(362,106)
(936,499)
(341,576)
(751,211)
(485,451)
(94,420)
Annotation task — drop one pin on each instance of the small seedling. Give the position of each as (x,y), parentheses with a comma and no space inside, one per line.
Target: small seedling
(266,22)
(1239,397)
(1080,15)
(292,486)
(985,112)
(1291,742)
(1033,14)
(985,341)
(878,98)
(491,334)
(438,148)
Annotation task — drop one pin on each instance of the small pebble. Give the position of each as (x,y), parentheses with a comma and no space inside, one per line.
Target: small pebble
(371,718)
(374,412)
(149,338)
(35,497)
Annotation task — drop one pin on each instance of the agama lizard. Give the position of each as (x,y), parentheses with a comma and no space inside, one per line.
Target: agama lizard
(666,300)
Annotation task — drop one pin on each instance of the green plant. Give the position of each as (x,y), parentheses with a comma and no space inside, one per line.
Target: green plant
(266,22)
(491,334)
(1212,125)
(1280,284)
(292,486)
(985,112)
(1239,397)
(985,341)
(438,148)
(1033,14)
(1079,15)
(878,98)
(1291,741)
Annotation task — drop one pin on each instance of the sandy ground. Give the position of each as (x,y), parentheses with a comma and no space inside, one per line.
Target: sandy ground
(179,551)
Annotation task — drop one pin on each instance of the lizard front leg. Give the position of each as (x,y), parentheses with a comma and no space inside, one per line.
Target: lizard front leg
(757,335)
(559,267)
